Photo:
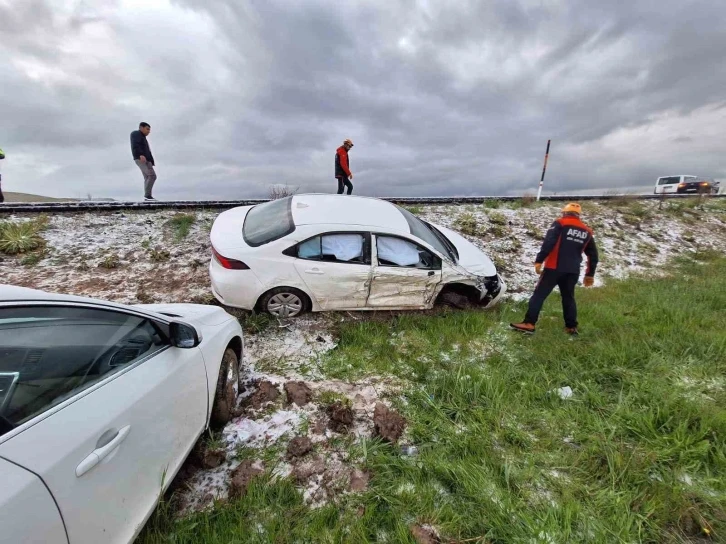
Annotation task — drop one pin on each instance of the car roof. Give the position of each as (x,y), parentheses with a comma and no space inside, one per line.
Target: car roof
(12,293)
(322,209)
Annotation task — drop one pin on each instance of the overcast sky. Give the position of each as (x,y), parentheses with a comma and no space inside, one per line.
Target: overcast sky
(445,97)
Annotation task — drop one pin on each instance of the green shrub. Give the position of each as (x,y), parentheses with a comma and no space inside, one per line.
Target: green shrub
(466,223)
(110,262)
(159,255)
(498,218)
(17,238)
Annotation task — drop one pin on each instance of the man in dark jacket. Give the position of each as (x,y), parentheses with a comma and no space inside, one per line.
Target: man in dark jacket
(561,254)
(342,167)
(143,158)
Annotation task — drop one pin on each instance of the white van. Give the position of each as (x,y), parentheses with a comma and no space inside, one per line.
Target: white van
(685,184)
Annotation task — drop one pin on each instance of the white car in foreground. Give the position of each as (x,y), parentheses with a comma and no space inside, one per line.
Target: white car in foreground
(100,404)
(339,252)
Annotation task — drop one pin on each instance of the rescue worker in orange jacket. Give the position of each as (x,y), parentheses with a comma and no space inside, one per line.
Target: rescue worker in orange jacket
(561,256)
(342,167)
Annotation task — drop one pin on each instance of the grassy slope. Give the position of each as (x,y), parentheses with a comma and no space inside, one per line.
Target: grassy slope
(637,455)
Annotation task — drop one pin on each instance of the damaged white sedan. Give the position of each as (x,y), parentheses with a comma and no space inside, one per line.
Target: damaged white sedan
(335,252)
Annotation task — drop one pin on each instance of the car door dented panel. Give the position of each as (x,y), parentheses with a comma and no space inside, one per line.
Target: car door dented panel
(344,291)
(406,288)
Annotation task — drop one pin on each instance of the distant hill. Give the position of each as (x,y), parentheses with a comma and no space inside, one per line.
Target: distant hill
(24,197)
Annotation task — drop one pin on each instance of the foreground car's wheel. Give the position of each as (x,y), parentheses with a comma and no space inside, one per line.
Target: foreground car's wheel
(284,302)
(225,398)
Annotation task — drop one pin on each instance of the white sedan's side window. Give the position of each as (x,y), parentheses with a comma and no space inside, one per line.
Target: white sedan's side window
(348,248)
(394,251)
(50,353)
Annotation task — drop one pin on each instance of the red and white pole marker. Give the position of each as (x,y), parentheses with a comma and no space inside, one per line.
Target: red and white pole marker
(544,168)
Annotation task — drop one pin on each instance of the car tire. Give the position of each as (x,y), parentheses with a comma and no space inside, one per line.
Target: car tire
(453,300)
(225,396)
(284,302)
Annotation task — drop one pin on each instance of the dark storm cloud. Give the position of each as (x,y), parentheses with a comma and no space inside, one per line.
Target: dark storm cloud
(440,98)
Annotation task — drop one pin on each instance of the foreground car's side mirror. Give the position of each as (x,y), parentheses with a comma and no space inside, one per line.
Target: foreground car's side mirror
(183,335)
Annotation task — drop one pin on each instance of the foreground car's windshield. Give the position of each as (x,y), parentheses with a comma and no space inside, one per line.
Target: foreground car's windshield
(269,221)
(429,234)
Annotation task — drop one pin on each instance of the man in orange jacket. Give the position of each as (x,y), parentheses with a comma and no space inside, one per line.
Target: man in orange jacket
(342,167)
(561,255)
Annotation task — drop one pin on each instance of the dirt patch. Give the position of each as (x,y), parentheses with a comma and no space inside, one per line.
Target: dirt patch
(359,480)
(299,447)
(319,426)
(388,424)
(213,458)
(424,534)
(298,393)
(341,417)
(266,392)
(242,476)
(305,470)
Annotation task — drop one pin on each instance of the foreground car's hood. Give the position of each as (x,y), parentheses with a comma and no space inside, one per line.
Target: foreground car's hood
(471,258)
(201,314)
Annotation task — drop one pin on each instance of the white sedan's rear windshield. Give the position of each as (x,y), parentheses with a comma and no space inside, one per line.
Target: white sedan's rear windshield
(269,221)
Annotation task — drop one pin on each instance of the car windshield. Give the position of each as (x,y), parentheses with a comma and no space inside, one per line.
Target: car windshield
(429,234)
(269,221)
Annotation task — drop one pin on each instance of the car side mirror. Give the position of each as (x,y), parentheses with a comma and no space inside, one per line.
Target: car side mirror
(183,336)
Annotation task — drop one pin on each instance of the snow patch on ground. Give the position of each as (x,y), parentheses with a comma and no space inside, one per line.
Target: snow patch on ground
(293,349)
(262,432)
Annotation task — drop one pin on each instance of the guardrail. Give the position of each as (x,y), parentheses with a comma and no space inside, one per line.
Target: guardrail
(85,206)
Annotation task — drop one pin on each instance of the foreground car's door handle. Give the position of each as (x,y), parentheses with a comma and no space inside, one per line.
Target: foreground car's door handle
(314,271)
(99,454)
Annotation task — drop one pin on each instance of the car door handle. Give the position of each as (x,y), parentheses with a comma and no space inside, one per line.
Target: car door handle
(99,454)
(314,271)
(431,272)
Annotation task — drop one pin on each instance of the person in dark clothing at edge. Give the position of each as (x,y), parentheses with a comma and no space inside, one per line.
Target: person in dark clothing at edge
(143,158)
(342,167)
(561,254)
(2,197)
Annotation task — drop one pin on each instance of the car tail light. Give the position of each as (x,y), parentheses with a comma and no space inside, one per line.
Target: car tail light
(229,264)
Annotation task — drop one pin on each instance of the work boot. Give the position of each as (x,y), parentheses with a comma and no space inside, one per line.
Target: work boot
(527,328)
(572,331)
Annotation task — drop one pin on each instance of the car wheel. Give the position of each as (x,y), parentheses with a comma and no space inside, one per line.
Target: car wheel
(225,397)
(284,302)
(453,300)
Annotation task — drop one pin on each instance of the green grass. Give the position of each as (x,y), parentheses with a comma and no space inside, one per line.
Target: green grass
(255,323)
(416,210)
(31,259)
(181,224)
(637,454)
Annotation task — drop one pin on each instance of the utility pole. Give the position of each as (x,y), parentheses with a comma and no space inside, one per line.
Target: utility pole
(544,168)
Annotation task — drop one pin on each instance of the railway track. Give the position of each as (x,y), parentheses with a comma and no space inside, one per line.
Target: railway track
(86,206)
